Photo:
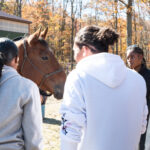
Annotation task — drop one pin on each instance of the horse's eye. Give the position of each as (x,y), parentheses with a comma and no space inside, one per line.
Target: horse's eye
(44,58)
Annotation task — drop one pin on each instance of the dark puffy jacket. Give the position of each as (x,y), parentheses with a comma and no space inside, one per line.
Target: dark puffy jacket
(146,75)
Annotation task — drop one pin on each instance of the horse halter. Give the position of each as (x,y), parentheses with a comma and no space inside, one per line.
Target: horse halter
(26,58)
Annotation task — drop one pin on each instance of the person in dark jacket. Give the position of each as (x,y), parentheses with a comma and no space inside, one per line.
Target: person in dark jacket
(136,61)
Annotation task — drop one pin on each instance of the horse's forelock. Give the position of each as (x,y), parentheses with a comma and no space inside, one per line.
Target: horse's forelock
(21,38)
(43,42)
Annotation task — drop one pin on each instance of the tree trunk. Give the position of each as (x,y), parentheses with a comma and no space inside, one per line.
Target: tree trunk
(80,12)
(116,21)
(129,23)
(1,4)
(135,31)
(72,32)
(53,6)
(18,8)
(64,16)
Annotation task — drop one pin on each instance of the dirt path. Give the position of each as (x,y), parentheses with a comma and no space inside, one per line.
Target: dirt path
(51,124)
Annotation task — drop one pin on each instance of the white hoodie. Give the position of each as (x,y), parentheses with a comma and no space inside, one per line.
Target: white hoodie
(104,106)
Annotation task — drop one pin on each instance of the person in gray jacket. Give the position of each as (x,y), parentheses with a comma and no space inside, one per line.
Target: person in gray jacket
(20,115)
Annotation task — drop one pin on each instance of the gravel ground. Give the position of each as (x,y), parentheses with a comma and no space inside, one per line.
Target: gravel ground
(51,124)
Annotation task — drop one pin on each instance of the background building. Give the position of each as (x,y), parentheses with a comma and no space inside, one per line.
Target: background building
(13,26)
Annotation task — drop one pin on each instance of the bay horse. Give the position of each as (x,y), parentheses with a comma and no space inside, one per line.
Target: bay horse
(37,62)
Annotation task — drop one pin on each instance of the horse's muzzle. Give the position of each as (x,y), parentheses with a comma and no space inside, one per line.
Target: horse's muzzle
(58,91)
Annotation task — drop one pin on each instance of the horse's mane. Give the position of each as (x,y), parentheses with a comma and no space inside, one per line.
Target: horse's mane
(18,38)
(43,42)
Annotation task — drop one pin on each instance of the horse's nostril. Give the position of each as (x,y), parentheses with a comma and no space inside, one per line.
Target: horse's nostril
(58,95)
(58,92)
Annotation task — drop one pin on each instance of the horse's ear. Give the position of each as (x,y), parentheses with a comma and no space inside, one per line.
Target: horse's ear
(44,33)
(34,37)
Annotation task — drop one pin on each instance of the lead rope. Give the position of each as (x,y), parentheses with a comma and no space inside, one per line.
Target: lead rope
(48,75)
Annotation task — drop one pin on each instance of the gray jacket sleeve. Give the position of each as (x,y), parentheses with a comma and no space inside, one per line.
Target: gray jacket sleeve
(32,120)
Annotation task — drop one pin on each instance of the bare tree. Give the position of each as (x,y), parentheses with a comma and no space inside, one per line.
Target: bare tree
(129,23)
(65,3)
(129,20)
(1,4)
(116,21)
(135,28)
(18,8)
(80,5)
(74,6)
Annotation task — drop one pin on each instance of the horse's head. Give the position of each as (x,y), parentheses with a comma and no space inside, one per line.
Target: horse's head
(37,62)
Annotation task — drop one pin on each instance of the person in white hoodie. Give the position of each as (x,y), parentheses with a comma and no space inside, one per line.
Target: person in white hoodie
(104,105)
(20,108)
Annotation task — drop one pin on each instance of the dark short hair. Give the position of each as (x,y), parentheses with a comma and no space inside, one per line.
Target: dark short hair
(96,38)
(136,49)
(8,51)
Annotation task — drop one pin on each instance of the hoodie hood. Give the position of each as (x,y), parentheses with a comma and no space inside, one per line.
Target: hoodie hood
(7,73)
(107,68)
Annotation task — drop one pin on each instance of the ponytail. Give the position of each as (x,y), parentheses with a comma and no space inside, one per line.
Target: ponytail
(2,61)
(1,67)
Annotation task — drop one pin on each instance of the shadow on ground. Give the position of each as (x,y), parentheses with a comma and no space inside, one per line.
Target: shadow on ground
(52,121)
